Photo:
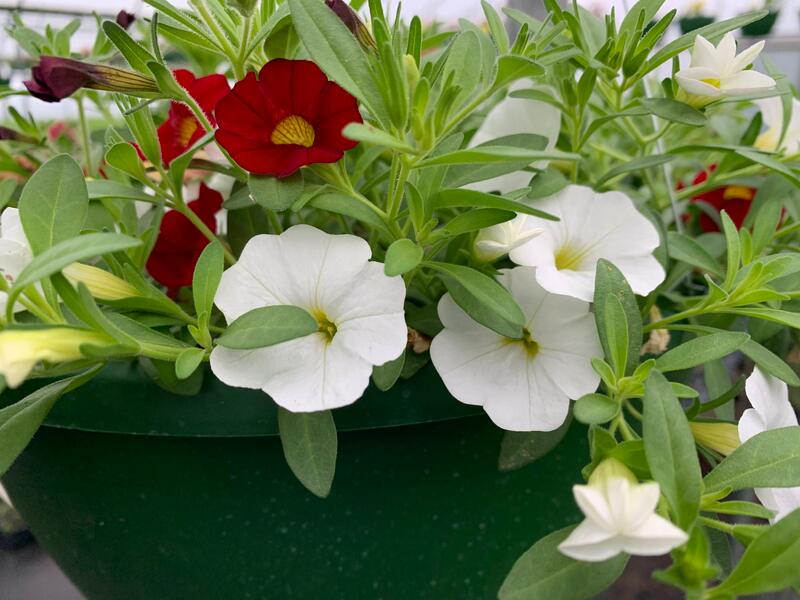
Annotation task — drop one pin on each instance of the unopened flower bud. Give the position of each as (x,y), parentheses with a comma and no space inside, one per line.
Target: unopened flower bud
(125,19)
(496,241)
(56,78)
(350,18)
(100,283)
(22,349)
(720,437)
(412,72)
(12,135)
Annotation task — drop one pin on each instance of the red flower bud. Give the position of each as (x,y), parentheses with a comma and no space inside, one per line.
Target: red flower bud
(56,78)
(12,135)
(125,19)
(350,18)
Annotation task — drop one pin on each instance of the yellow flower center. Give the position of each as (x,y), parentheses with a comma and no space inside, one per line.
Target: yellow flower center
(569,258)
(294,130)
(737,192)
(530,344)
(186,128)
(326,326)
(713,82)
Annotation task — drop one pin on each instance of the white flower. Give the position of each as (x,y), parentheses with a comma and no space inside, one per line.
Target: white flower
(772,111)
(769,397)
(512,116)
(15,252)
(496,241)
(719,72)
(524,385)
(592,226)
(620,517)
(4,495)
(359,309)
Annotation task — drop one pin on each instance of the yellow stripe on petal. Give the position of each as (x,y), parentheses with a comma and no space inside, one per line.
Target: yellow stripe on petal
(294,130)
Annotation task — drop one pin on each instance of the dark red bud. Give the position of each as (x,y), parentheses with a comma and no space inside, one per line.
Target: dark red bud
(350,18)
(125,19)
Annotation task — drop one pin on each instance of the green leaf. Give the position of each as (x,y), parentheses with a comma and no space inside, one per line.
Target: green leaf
(634,166)
(520,448)
(123,156)
(595,409)
(401,257)
(310,445)
(65,253)
(670,449)
(343,204)
(267,326)
(672,110)
(489,154)
(685,249)
(167,84)
(482,298)
(134,53)
(363,132)
(766,222)
(477,219)
(769,459)
(335,49)
(770,362)
(701,350)
(610,281)
(19,422)
(739,507)
(496,27)
(770,562)
(616,333)
(207,275)
(512,68)
(766,160)
(386,375)
(784,317)
(734,250)
(102,188)
(543,573)
(274,193)
(54,203)
(188,361)
(474,199)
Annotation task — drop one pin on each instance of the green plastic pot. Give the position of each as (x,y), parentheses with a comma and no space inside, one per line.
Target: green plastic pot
(688,24)
(141,494)
(763,26)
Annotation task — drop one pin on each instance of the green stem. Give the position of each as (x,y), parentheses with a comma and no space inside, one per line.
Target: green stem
(222,39)
(85,137)
(203,228)
(718,525)
(687,314)
(241,60)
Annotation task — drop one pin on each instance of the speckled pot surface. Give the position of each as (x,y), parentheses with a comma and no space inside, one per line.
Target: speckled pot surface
(141,494)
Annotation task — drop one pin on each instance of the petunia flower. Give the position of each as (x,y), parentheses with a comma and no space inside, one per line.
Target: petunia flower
(180,243)
(592,226)
(527,384)
(15,252)
(769,398)
(497,241)
(22,349)
(772,111)
(719,72)
(182,129)
(359,310)
(513,116)
(620,517)
(736,200)
(287,117)
(55,78)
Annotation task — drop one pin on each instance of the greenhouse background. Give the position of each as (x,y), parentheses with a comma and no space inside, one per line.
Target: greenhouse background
(31,575)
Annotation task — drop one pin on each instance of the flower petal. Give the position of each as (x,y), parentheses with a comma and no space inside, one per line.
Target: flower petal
(704,54)
(590,543)
(746,57)
(654,537)
(594,505)
(769,396)
(746,82)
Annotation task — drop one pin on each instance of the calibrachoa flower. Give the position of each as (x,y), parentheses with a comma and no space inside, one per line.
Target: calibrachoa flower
(736,200)
(769,398)
(512,116)
(359,310)
(180,243)
(182,129)
(772,111)
(56,78)
(620,517)
(287,117)
(22,349)
(592,226)
(527,384)
(496,241)
(15,252)
(719,72)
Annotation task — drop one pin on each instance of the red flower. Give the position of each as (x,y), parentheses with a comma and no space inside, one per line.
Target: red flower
(287,117)
(180,244)
(735,200)
(182,129)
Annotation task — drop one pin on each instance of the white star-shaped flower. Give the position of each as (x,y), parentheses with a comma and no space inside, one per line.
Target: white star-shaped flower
(716,72)
(769,398)
(527,384)
(620,517)
(592,226)
(496,241)
(770,140)
(15,252)
(359,309)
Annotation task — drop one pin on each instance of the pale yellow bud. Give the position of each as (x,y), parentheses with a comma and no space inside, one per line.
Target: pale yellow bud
(720,437)
(609,469)
(22,349)
(101,284)
(412,71)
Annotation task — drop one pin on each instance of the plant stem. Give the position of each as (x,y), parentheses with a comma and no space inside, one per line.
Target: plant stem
(85,137)
(222,39)
(203,228)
